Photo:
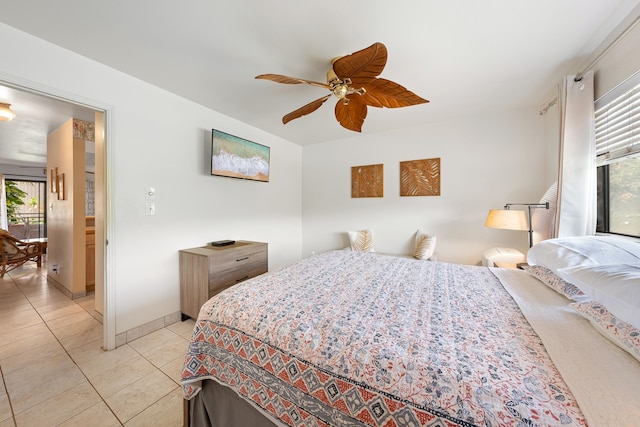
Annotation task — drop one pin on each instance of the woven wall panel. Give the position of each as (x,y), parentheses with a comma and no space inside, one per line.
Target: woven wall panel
(420,177)
(367,181)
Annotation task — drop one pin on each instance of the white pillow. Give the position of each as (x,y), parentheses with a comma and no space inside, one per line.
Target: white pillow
(425,245)
(361,240)
(615,286)
(564,252)
(555,282)
(620,333)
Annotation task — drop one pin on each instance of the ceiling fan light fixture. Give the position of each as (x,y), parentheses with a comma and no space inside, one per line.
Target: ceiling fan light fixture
(341,91)
(6,113)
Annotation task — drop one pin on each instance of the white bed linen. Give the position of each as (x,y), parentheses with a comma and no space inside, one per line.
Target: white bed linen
(604,379)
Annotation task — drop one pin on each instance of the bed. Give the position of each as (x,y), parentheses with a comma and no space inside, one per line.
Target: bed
(349,338)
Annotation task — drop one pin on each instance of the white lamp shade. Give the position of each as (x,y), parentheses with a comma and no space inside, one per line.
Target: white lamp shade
(506,219)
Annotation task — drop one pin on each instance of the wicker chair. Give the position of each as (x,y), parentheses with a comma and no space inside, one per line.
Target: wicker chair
(15,252)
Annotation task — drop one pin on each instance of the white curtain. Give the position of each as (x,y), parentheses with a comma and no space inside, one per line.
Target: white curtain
(543,220)
(4,221)
(576,210)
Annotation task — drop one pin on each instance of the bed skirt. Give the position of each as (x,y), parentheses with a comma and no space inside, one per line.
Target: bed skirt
(219,406)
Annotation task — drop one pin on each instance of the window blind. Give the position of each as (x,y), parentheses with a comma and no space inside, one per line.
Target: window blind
(617,127)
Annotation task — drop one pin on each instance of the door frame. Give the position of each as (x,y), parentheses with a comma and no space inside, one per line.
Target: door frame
(108,318)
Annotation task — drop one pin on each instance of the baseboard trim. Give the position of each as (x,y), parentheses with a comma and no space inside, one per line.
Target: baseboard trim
(147,328)
(59,286)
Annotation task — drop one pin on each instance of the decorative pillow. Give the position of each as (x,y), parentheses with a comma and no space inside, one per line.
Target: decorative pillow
(620,333)
(425,245)
(361,240)
(615,286)
(9,247)
(559,285)
(564,252)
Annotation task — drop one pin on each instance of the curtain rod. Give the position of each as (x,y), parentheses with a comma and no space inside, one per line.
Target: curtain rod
(597,59)
(608,48)
(549,105)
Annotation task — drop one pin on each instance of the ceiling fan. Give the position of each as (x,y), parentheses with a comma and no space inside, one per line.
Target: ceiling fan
(354,80)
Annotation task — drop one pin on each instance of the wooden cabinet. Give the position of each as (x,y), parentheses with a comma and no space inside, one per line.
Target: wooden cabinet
(208,270)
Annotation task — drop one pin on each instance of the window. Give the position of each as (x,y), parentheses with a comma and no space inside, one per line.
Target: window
(26,208)
(618,161)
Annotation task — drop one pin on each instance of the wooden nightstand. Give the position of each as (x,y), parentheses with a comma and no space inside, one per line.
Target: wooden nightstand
(503,256)
(505,264)
(208,270)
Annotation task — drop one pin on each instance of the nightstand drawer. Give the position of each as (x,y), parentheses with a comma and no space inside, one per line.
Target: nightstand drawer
(224,259)
(236,271)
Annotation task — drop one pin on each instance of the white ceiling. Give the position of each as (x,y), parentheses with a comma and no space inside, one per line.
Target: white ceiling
(23,141)
(465,56)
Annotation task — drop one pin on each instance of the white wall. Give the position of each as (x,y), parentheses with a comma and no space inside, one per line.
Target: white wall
(620,63)
(150,146)
(66,217)
(486,161)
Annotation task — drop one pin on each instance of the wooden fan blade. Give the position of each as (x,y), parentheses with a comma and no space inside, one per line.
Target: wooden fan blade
(290,80)
(303,111)
(385,93)
(351,116)
(362,66)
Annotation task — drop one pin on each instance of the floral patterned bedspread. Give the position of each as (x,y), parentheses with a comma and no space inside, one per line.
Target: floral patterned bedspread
(352,338)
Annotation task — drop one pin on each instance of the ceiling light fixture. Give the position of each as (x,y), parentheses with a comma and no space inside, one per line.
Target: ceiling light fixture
(6,113)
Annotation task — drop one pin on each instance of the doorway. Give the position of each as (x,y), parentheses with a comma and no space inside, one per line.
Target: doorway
(46,99)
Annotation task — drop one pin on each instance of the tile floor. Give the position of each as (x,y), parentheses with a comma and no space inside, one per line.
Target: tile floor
(54,372)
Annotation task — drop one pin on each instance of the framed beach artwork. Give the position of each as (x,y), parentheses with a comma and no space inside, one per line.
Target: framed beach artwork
(236,157)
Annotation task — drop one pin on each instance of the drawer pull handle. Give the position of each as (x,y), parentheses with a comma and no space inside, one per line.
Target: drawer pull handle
(242,279)
(242,259)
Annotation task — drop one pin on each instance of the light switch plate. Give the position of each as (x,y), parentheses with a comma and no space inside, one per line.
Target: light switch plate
(150,193)
(150,208)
